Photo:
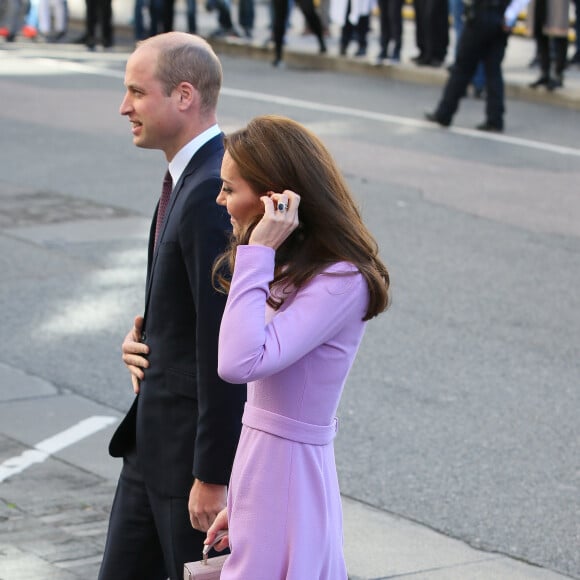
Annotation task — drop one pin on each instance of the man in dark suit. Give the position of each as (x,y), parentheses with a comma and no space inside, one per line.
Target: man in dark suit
(178,439)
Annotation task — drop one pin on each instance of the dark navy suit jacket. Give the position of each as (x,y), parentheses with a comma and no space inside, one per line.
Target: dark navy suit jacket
(185,420)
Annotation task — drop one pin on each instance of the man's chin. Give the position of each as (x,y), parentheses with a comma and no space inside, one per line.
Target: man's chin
(139,142)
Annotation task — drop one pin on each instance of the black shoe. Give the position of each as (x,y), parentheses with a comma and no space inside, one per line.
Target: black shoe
(435,119)
(555,83)
(362,51)
(434,62)
(489,127)
(381,56)
(417,59)
(542,81)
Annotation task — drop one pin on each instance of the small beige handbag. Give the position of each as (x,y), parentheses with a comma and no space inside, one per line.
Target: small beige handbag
(206,569)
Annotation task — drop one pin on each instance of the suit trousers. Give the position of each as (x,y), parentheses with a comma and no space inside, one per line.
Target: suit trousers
(482,39)
(150,536)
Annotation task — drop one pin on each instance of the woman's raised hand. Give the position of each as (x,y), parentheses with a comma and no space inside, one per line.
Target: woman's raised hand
(279,221)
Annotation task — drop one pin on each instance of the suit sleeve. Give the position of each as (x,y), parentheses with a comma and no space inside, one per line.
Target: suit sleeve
(250,348)
(203,233)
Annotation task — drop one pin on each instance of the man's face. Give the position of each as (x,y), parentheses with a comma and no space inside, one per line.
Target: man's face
(152,113)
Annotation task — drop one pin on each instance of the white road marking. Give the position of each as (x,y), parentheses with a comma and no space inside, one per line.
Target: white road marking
(52,445)
(62,65)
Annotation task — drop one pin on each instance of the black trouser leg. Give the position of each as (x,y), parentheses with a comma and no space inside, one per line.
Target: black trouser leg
(543,44)
(132,549)
(560,50)
(468,55)
(419,6)
(91,21)
(313,20)
(346,31)
(150,536)
(362,32)
(396,24)
(168,15)
(494,106)
(106,16)
(384,20)
(224,15)
(280,8)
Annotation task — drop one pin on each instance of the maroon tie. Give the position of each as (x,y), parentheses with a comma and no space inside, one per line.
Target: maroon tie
(163,203)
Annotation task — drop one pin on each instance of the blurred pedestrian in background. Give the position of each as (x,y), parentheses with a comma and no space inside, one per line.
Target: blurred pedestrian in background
(391,26)
(52,19)
(246,17)
(354,15)
(487,27)
(281,10)
(147,18)
(549,23)
(99,15)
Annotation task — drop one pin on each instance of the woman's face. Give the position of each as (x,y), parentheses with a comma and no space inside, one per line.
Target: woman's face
(240,200)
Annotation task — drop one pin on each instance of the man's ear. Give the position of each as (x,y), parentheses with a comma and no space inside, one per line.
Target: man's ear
(187,95)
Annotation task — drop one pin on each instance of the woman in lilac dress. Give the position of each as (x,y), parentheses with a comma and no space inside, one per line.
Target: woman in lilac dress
(306,276)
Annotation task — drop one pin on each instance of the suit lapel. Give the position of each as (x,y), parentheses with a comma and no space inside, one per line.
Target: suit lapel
(195,163)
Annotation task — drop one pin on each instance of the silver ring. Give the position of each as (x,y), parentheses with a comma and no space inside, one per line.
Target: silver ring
(282,206)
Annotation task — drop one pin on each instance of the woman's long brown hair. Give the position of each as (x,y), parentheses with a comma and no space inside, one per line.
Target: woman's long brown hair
(276,153)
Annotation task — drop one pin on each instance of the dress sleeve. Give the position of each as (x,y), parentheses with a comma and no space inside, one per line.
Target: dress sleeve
(250,348)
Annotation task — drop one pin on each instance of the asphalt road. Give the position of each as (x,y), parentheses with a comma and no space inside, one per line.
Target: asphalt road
(461,411)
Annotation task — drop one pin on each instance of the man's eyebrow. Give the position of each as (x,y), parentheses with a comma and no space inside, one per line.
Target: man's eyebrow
(134,87)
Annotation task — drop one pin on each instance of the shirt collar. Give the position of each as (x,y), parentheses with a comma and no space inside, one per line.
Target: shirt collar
(184,155)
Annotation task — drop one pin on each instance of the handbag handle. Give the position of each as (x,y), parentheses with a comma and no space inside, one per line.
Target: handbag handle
(221,534)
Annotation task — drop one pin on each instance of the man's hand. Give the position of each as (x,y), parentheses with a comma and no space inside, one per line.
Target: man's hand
(135,352)
(206,500)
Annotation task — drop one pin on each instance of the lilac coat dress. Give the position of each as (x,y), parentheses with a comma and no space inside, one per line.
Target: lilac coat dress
(284,505)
